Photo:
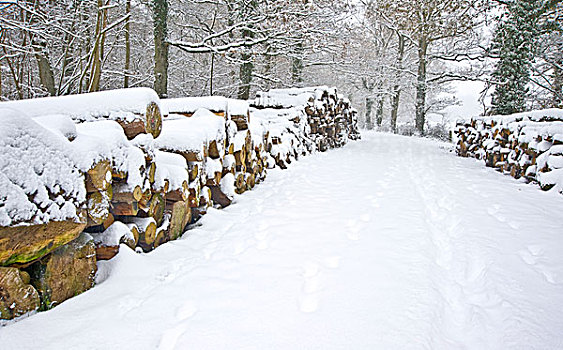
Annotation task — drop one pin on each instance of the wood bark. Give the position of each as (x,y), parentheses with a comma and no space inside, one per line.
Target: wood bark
(160,18)
(421,85)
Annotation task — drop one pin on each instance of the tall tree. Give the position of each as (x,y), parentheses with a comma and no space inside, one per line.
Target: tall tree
(160,18)
(514,44)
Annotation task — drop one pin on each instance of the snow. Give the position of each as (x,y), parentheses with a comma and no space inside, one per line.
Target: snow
(112,235)
(39,178)
(171,167)
(192,104)
(286,98)
(61,124)
(388,243)
(228,185)
(180,133)
(120,104)
(99,140)
(213,103)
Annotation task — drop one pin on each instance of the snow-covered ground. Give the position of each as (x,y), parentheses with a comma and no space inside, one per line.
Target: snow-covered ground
(388,243)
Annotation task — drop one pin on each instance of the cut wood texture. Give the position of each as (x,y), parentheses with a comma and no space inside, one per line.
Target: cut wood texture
(99,178)
(23,244)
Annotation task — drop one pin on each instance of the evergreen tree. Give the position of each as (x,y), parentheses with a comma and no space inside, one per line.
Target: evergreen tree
(514,45)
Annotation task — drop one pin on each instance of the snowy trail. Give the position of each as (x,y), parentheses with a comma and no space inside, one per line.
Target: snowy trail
(389,243)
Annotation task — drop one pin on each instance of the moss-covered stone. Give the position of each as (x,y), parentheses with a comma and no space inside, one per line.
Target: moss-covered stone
(23,244)
(66,272)
(16,296)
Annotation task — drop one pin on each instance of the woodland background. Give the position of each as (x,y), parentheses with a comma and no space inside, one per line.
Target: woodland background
(396,59)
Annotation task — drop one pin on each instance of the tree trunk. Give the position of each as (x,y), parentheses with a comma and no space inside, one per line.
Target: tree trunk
(557,86)
(160,17)
(211,73)
(421,85)
(98,54)
(247,67)
(245,76)
(45,71)
(397,87)
(379,111)
(127,45)
(297,65)
(369,107)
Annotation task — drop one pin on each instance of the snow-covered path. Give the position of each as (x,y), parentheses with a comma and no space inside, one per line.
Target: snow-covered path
(389,243)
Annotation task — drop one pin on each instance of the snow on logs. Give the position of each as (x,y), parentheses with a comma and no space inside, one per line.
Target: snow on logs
(137,110)
(82,176)
(327,118)
(525,145)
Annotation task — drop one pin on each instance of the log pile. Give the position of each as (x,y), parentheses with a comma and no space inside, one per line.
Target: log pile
(331,120)
(524,145)
(85,175)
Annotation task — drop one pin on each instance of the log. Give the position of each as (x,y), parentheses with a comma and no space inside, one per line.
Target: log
(153,120)
(133,129)
(241,121)
(151,172)
(106,252)
(109,221)
(24,244)
(121,193)
(156,208)
(118,176)
(214,150)
(150,123)
(145,199)
(98,207)
(147,232)
(240,157)
(193,198)
(193,170)
(99,177)
(136,235)
(219,197)
(125,208)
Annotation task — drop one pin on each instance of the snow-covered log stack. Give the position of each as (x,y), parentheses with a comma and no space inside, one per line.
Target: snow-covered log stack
(330,119)
(81,176)
(65,162)
(237,158)
(528,145)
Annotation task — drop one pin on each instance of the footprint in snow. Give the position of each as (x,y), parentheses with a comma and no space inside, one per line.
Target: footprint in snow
(332,262)
(311,285)
(310,269)
(166,277)
(494,212)
(531,256)
(375,203)
(170,337)
(260,235)
(308,303)
(262,245)
(187,310)
(239,248)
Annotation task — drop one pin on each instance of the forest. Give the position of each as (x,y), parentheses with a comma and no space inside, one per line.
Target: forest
(396,60)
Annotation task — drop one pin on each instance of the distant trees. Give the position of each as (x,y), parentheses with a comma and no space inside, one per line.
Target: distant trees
(395,56)
(528,46)
(424,33)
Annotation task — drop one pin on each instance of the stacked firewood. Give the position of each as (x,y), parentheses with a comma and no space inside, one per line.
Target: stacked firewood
(330,120)
(238,160)
(130,169)
(524,145)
